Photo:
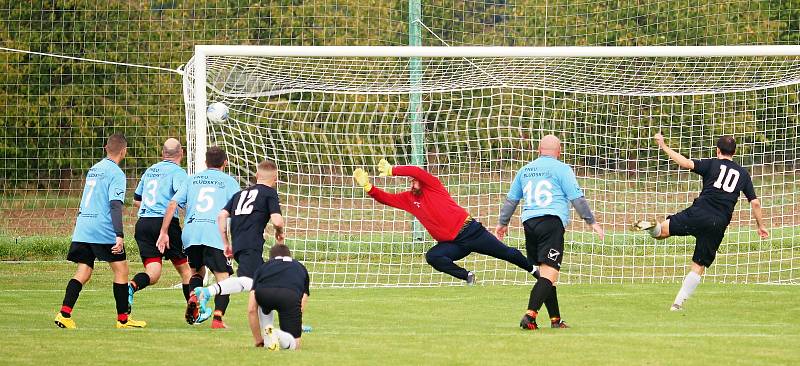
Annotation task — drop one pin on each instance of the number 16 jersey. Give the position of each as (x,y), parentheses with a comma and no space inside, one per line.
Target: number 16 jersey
(546,186)
(203,196)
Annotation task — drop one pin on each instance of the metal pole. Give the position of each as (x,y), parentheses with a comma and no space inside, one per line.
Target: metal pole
(415,98)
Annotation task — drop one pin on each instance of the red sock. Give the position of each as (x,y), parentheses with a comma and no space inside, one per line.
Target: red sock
(122,318)
(66,311)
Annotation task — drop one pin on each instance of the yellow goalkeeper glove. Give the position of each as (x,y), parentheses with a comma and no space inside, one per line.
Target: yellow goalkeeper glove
(362,178)
(384,168)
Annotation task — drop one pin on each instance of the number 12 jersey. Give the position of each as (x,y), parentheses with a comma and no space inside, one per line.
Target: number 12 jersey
(250,211)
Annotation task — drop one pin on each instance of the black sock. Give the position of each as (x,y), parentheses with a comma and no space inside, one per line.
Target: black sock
(187,291)
(121,298)
(552,304)
(539,293)
(70,297)
(221,304)
(195,281)
(140,281)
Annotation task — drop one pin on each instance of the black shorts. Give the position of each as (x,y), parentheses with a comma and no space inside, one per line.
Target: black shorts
(146,233)
(86,253)
(213,258)
(249,260)
(708,228)
(544,240)
(287,303)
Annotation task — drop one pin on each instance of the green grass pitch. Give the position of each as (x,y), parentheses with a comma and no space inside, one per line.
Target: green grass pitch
(612,324)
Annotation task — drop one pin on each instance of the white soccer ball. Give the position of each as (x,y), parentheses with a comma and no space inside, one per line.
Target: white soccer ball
(217,112)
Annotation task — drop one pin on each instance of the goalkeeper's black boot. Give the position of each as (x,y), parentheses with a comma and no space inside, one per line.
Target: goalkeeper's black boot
(528,321)
(558,323)
(470,279)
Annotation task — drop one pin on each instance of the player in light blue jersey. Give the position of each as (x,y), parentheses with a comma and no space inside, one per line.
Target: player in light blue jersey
(98,235)
(158,185)
(203,196)
(546,187)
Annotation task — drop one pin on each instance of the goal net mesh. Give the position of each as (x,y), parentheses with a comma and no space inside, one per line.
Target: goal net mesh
(320,118)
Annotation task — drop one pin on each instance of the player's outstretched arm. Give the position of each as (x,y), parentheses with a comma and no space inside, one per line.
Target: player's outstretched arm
(509,206)
(422,175)
(755,207)
(222,226)
(163,237)
(582,207)
(280,227)
(362,179)
(681,160)
(303,303)
(252,319)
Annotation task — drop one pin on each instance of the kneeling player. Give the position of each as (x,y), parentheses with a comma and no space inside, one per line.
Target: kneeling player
(708,217)
(249,211)
(281,284)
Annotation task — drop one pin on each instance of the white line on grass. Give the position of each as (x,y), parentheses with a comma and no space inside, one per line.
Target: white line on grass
(570,333)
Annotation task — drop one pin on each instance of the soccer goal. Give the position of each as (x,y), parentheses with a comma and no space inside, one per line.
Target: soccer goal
(472,116)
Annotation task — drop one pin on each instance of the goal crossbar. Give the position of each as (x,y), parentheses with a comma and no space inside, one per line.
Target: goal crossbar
(593,51)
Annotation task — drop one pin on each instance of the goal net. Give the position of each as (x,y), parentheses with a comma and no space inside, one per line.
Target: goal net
(473,116)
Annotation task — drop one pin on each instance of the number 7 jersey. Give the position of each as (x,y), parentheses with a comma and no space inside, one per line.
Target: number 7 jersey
(546,186)
(203,196)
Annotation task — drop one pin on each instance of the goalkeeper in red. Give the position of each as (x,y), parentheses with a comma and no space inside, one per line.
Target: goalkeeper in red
(547,187)
(457,233)
(710,213)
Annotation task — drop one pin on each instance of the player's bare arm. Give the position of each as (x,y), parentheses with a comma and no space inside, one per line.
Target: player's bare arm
(163,237)
(303,303)
(222,226)
(280,227)
(252,319)
(755,207)
(681,160)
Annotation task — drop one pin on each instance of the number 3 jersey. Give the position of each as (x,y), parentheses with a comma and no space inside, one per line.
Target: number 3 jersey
(203,196)
(250,211)
(158,185)
(546,186)
(723,182)
(105,182)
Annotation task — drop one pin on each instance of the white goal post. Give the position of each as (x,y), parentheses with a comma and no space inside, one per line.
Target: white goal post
(471,115)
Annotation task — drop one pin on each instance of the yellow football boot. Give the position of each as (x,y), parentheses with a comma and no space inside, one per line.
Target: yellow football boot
(132,324)
(63,322)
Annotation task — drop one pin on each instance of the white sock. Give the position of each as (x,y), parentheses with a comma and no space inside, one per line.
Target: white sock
(655,231)
(265,319)
(231,285)
(689,284)
(286,340)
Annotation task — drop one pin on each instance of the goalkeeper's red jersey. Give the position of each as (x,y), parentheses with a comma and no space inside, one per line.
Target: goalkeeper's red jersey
(433,207)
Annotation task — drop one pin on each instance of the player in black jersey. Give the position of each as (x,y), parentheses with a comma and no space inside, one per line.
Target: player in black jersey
(249,210)
(279,285)
(710,213)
